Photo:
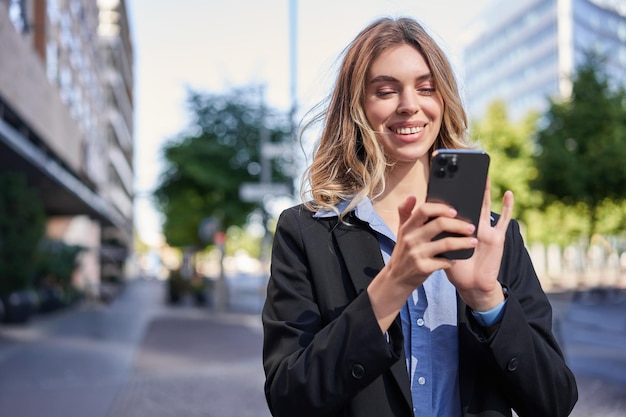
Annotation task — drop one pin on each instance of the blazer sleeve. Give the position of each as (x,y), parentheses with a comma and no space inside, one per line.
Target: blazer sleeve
(321,346)
(529,362)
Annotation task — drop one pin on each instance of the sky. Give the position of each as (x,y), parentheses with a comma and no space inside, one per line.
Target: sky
(213,46)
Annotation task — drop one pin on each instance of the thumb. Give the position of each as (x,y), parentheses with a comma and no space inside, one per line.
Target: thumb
(406,208)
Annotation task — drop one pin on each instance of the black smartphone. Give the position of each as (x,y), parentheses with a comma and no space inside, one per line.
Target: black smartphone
(458,178)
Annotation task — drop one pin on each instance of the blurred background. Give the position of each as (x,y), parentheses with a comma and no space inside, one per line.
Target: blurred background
(147,148)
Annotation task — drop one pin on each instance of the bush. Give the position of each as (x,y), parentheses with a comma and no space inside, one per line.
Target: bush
(56,262)
(177,287)
(22,225)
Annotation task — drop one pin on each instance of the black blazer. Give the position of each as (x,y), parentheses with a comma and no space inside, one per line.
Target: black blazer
(324,354)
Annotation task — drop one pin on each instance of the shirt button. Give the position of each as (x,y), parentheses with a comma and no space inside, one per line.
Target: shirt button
(420,322)
(358,371)
(512,365)
(421,380)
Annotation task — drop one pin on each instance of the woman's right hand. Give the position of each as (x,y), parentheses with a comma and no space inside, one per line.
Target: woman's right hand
(415,257)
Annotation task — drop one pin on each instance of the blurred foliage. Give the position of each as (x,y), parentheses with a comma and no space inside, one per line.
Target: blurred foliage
(240,239)
(582,148)
(207,164)
(511,150)
(56,262)
(139,245)
(568,178)
(22,225)
(556,222)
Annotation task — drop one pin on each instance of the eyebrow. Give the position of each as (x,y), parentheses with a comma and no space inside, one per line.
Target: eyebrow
(388,78)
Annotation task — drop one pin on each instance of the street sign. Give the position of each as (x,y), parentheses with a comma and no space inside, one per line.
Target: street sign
(257,192)
(273,150)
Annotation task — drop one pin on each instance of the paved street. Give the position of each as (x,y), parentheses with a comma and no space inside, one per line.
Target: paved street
(592,330)
(195,363)
(139,357)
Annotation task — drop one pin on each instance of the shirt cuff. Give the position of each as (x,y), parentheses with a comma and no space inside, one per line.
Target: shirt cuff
(490,317)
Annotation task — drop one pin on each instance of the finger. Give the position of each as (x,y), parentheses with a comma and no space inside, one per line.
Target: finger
(508,202)
(452,243)
(430,210)
(485,213)
(416,218)
(456,226)
(406,208)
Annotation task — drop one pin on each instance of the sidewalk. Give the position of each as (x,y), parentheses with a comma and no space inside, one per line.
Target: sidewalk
(73,363)
(139,357)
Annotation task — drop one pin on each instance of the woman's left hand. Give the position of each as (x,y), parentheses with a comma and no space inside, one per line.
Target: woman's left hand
(476,278)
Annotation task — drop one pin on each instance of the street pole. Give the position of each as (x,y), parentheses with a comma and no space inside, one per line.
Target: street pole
(293,60)
(293,89)
(266,177)
(266,164)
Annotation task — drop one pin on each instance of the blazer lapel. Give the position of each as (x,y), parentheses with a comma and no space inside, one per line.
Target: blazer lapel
(360,250)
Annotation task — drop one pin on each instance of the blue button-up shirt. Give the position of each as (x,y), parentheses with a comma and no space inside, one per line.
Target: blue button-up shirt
(429,325)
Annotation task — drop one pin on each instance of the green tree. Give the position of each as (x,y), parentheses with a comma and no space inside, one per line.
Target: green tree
(511,149)
(582,147)
(22,225)
(206,165)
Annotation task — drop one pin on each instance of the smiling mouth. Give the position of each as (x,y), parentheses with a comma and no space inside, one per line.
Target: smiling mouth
(408,130)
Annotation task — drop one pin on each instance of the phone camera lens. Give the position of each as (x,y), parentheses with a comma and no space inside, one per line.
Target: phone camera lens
(453,167)
(441,172)
(442,161)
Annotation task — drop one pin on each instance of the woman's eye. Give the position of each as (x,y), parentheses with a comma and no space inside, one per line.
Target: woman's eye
(426,91)
(384,93)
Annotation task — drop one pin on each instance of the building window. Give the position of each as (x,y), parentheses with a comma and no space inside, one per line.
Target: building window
(52,62)
(17,15)
(52,10)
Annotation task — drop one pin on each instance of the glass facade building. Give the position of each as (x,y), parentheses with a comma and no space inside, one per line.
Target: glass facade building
(525,52)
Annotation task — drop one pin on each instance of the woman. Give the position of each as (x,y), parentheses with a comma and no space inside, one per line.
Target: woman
(362,317)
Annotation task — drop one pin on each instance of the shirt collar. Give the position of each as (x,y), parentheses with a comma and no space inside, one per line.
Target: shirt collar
(364,211)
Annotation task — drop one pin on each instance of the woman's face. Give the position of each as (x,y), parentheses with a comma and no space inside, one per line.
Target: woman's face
(402,105)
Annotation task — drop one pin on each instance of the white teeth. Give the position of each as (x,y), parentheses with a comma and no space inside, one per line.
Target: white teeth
(409,130)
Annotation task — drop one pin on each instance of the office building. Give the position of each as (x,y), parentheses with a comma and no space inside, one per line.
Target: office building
(66,120)
(526,51)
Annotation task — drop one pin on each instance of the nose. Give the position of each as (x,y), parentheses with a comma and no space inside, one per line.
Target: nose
(409,102)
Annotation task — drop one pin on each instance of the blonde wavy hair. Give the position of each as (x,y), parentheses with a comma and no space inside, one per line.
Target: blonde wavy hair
(349,162)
